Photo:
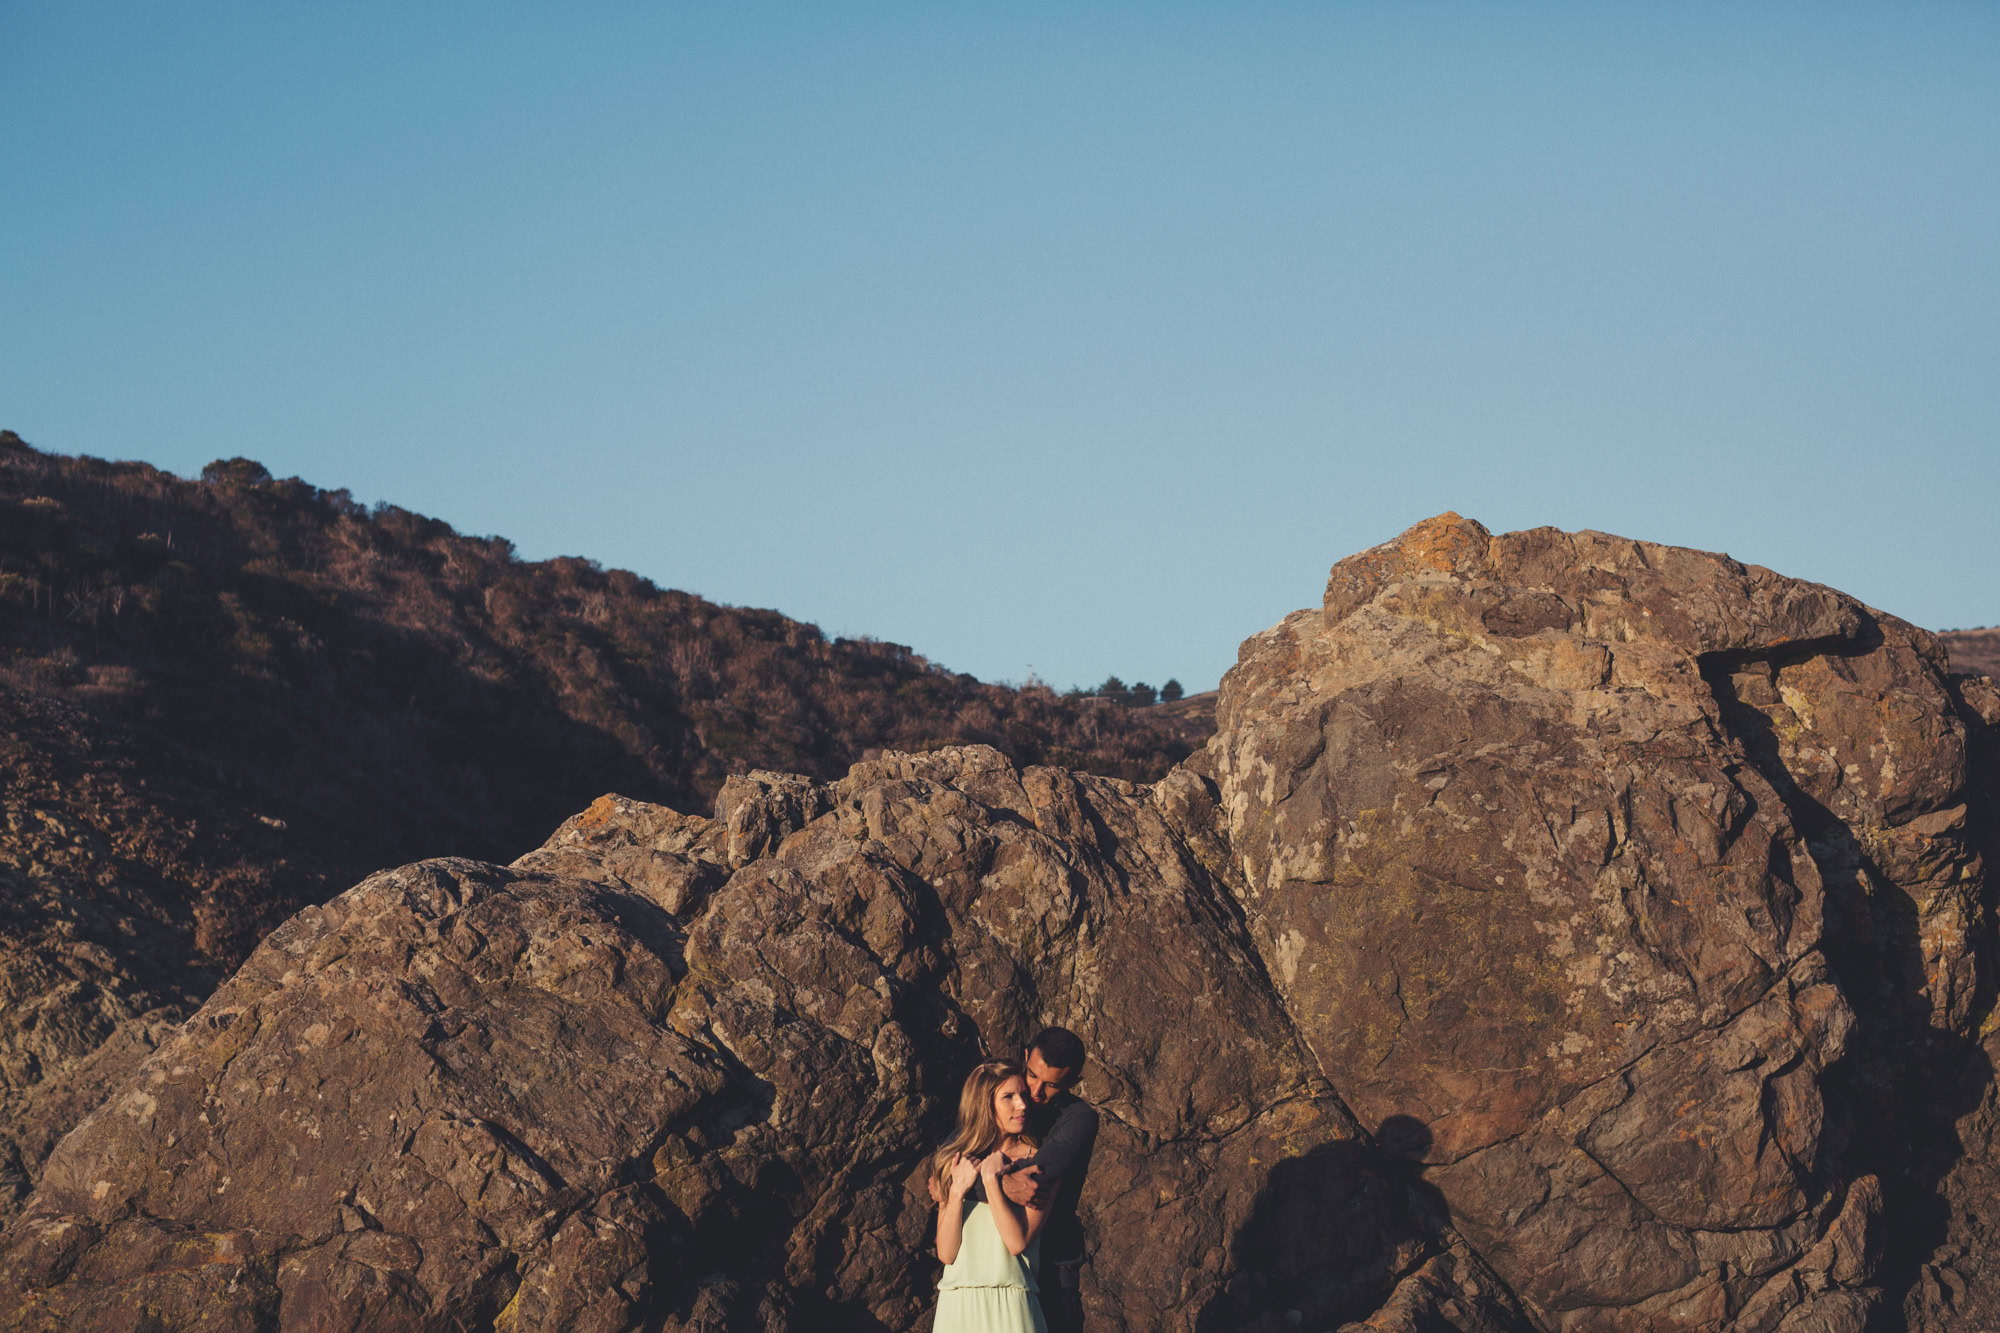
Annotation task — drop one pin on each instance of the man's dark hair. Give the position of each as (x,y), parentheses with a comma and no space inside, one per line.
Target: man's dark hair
(1060,1048)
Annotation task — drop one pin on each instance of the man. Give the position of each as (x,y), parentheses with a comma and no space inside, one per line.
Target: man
(1065,1130)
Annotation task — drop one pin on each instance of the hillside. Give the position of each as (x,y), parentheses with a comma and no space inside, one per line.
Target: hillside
(221,700)
(1974,650)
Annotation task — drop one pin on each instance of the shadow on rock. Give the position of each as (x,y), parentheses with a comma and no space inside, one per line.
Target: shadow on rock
(1330,1234)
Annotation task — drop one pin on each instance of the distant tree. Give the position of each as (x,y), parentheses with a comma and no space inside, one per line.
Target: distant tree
(1112,689)
(1170,692)
(242,471)
(1141,695)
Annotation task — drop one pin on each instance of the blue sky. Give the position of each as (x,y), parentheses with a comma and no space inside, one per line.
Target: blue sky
(1077,338)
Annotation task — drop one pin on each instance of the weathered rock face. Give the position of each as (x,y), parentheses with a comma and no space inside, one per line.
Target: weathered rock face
(1584,852)
(619,1085)
(1950,1159)
(116,896)
(1552,935)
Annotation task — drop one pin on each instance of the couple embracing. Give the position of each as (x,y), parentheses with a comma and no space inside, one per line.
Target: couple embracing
(1006,1185)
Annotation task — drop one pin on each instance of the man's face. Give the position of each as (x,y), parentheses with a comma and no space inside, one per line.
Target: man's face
(1045,1081)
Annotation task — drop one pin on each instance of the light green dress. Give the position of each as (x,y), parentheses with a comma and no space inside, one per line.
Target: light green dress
(986,1289)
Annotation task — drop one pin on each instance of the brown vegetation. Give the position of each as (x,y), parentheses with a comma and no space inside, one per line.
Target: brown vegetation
(1974,650)
(370,685)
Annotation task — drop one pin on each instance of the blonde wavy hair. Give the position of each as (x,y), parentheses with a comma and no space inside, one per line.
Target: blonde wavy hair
(978,1131)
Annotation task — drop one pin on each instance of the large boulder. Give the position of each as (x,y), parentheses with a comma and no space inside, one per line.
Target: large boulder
(1612,863)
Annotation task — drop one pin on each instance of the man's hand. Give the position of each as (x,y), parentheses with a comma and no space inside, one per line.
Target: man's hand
(1026,1187)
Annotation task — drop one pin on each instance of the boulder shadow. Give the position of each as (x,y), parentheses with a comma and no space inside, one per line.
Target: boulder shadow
(1330,1234)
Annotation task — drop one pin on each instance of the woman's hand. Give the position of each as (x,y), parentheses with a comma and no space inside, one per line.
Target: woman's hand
(951,1210)
(1017,1225)
(964,1171)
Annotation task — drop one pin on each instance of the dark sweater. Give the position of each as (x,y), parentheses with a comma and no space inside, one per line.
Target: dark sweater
(1066,1132)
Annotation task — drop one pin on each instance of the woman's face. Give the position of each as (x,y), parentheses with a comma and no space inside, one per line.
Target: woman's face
(1010,1106)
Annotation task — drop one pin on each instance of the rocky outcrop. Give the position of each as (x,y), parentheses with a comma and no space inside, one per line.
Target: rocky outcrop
(1560,932)
(687,1069)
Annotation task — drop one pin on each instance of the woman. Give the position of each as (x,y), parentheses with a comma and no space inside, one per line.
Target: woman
(988,1244)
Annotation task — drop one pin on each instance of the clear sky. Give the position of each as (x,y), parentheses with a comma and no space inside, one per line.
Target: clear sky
(1080,337)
